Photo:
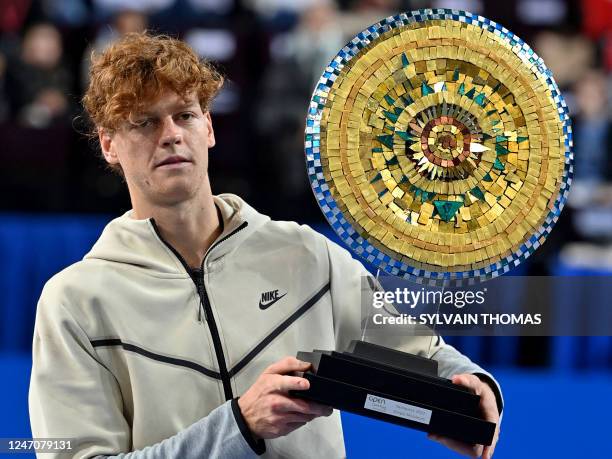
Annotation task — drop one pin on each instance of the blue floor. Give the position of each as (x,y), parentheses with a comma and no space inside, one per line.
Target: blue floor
(548,415)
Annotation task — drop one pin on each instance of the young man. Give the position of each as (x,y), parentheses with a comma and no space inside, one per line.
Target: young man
(173,337)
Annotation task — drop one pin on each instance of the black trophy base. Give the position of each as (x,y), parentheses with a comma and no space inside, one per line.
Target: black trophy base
(395,387)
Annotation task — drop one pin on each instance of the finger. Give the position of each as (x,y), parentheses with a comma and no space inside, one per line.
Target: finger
(323,410)
(288,428)
(469,381)
(287,365)
(488,406)
(293,404)
(284,384)
(458,446)
(306,407)
(488,450)
(289,418)
(488,403)
(295,425)
(319,409)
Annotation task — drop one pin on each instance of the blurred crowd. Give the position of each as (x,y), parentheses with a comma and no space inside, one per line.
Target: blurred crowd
(272,52)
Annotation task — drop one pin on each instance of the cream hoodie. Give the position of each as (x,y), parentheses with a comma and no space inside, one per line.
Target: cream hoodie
(132,352)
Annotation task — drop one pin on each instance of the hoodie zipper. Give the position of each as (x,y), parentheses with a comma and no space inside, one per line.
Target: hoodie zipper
(205,303)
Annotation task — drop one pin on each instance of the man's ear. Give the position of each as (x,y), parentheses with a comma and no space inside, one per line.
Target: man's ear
(107,147)
(211,132)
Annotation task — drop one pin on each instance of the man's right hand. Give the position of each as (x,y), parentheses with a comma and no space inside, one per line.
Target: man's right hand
(266,406)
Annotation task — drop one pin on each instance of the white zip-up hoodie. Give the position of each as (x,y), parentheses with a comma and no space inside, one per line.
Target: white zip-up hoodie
(135,353)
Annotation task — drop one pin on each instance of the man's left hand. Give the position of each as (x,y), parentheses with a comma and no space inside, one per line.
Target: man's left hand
(488,406)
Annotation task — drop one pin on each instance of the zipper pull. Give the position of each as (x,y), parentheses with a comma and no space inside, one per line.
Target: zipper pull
(200,286)
(206,318)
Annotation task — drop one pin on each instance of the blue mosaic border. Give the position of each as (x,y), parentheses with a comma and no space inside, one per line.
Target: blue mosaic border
(328,205)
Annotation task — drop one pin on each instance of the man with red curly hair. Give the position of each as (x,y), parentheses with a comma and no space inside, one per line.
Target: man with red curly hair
(170,338)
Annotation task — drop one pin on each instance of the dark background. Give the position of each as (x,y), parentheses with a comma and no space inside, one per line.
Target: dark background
(56,194)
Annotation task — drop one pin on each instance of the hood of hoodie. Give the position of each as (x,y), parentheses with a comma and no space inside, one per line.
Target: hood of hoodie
(137,243)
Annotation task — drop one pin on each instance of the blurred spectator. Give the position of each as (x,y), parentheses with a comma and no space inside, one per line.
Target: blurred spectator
(69,13)
(311,45)
(592,141)
(186,14)
(363,13)
(592,126)
(279,15)
(38,81)
(597,18)
(607,52)
(598,26)
(124,22)
(212,6)
(106,8)
(590,198)
(298,60)
(542,12)
(219,45)
(567,56)
(215,44)
(13,14)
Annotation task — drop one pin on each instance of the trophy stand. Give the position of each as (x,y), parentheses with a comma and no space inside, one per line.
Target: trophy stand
(397,387)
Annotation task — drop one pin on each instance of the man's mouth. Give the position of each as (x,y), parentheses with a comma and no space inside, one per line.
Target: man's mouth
(171,160)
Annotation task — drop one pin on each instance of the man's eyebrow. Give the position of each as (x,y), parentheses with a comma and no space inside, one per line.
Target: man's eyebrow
(185,104)
(174,108)
(177,107)
(189,104)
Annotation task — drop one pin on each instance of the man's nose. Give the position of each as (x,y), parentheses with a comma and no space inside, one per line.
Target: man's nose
(171,133)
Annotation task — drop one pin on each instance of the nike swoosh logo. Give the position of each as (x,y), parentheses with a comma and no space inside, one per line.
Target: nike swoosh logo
(264,306)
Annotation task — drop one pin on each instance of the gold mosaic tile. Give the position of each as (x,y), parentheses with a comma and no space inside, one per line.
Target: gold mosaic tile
(438,147)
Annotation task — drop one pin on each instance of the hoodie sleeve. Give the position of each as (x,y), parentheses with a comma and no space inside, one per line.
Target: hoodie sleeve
(74,396)
(346,277)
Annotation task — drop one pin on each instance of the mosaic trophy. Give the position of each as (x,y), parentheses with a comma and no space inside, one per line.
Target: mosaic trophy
(439,148)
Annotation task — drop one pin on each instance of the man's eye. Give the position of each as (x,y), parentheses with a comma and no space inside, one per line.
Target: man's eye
(141,123)
(186,116)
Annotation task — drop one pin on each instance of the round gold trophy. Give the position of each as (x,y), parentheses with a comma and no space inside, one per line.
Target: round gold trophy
(439,147)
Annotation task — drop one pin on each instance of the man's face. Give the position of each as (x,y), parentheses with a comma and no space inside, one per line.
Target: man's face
(163,151)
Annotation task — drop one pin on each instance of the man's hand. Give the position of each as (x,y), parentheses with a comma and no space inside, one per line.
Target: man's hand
(266,406)
(488,406)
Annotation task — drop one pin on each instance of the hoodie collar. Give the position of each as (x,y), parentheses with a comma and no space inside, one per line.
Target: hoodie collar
(135,242)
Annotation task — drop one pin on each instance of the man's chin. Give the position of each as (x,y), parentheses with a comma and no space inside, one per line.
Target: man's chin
(176,193)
